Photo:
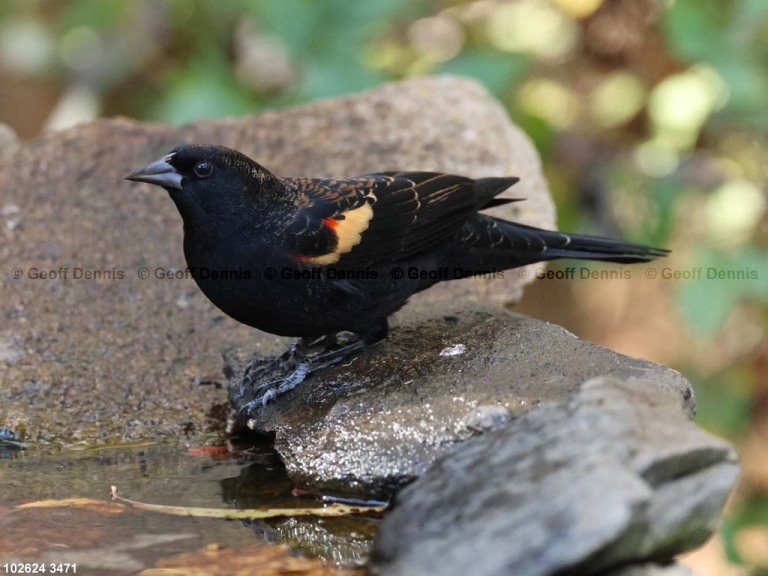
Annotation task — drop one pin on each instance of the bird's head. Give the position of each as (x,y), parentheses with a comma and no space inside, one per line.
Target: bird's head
(207,181)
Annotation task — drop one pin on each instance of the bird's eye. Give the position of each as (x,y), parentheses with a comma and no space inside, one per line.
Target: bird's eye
(203,169)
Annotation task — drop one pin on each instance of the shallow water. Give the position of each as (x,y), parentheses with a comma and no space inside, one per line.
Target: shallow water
(100,541)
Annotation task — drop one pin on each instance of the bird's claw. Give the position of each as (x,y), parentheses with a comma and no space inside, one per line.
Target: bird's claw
(268,391)
(266,379)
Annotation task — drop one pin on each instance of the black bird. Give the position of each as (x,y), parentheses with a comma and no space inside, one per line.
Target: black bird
(321,258)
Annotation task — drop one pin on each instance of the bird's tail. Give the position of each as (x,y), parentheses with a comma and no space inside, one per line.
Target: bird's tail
(551,245)
(491,244)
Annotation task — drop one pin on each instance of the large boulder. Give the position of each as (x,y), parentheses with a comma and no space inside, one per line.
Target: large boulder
(89,350)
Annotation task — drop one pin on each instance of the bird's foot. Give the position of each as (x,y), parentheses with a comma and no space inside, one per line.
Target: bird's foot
(262,368)
(266,379)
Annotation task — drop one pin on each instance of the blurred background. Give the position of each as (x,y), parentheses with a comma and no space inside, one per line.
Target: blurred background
(650,117)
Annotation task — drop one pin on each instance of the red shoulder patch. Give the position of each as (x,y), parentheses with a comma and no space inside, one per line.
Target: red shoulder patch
(331,223)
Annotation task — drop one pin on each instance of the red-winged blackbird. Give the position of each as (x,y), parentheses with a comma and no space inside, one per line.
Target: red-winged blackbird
(314,257)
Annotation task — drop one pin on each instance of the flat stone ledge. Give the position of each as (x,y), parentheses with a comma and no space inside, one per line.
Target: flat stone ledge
(377,422)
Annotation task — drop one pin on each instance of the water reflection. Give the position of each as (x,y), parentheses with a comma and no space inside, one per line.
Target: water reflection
(239,477)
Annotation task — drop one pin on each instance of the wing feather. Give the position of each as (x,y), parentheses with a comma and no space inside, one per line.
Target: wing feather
(379,218)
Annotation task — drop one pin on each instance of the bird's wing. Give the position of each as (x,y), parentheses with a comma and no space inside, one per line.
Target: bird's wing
(379,218)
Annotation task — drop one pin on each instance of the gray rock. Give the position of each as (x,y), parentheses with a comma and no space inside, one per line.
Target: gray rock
(616,475)
(84,357)
(377,422)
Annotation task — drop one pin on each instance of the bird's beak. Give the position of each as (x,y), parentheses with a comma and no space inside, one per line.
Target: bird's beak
(160,173)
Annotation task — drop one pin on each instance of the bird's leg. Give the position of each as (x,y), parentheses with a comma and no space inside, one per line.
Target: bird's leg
(333,348)
(279,375)
(260,368)
(304,359)
(329,350)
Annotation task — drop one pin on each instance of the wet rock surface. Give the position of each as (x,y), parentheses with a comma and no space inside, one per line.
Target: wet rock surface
(616,475)
(448,372)
(92,352)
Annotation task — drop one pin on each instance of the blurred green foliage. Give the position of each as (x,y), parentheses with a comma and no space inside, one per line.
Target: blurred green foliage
(731,36)
(649,115)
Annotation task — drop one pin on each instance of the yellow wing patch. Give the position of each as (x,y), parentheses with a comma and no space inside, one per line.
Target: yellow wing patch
(348,233)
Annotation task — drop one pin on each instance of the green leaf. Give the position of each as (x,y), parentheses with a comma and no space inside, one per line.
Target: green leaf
(97,14)
(723,400)
(696,29)
(202,92)
(294,21)
(751,511)
(496,71)
(747,87)
(720,282)
(328,77)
